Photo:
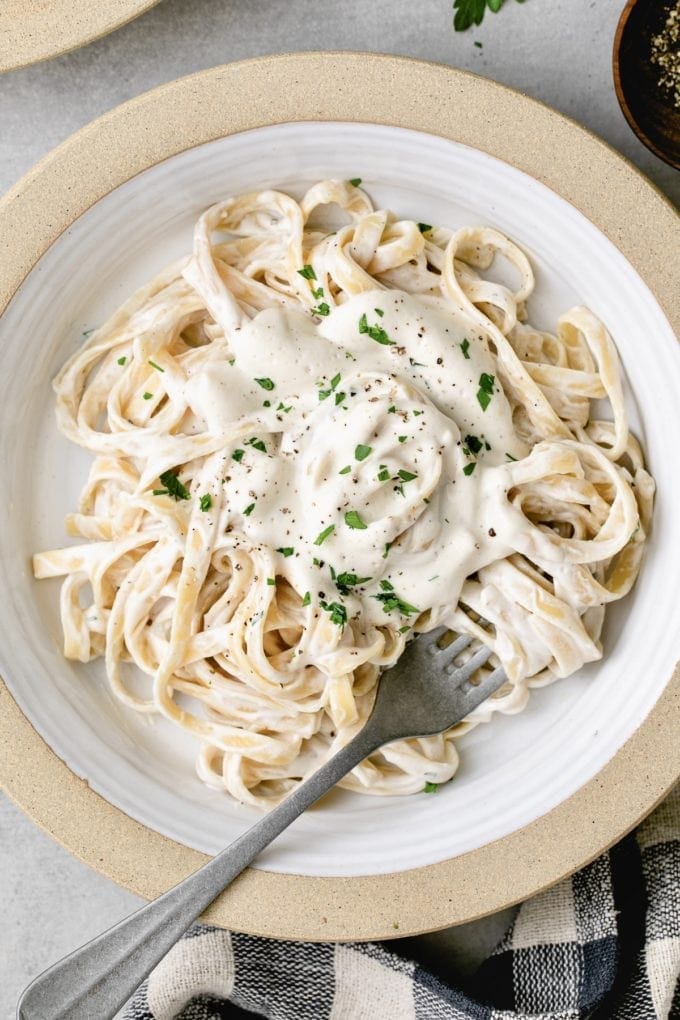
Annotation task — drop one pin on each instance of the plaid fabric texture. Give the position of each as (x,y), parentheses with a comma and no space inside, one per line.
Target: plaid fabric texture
(604,945)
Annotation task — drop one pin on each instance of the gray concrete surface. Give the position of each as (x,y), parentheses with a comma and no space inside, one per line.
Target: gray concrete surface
(558,51)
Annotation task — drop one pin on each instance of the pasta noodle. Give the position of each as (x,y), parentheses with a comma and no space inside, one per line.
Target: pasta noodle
(309,446)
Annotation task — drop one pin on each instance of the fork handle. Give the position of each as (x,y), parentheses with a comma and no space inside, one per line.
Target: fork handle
(97,979)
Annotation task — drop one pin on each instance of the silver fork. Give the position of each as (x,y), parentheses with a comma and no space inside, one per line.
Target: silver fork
(423,694)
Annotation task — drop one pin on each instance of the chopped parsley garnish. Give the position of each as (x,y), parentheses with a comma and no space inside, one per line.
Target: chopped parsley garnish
(362,452)
(206,502)
(392,409)
(345,470)
(465,348)
(383,474)
(473,444)
(485,391)
(173,485)
(282,407)
(390,600)
(388,546)
(417,414)
(339,397)
(430,787)
(323,309)
(238,455)
(469,468)
(376,332)
(402,439)
(121,361)
(345,581)
(266,403)
(424,227)
(402,630)
(257,444)
(147,395)
(307,272)
(406,476)
(286,550)
(337,611)
(157,367)
(334,384)
(307,599)
(355,182)
(379,311)
(248,510)
(416,364)
(265,383)
(335,380)
(353,520)
(323,535)
(318,293)
(271,580)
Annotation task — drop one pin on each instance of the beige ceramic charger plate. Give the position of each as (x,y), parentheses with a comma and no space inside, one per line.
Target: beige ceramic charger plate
(35,31)
(533,138)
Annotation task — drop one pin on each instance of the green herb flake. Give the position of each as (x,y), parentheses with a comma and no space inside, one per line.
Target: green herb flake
(402,439)
(469,468)
(257,444)
(362,452)
(206,502)
(323,394)
(146,395)
(430,787)
(379,311)
(345,581)
(323,535)
(323,309)
(406,476)
(376,332)
(353,520)
(355,182)
(339,397)
(157,367)
(307,599)
(248,510)
(392,409)
(407,626)
(388,546)
(265,383)
(307,272)
(346,470)
(318,293)
(121,361)
(390,600)
(471,12)
(286,550)
(386,585)
(383,474)
(465,348)
(172,483)
(337,611)
(474,444)
(271,580)
(424,227)
(485,391)
(160,492)
(238,455)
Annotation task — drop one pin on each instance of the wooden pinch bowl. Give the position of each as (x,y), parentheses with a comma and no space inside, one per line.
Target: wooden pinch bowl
(647,106)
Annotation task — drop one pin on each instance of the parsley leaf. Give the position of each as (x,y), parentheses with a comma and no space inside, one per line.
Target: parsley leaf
(485,391)
(172,483)
(323,535)
(266,384)
(345,470)
(121,361)
(390,600)
(286,550)
(430,787)
(248,510)
(323,309)
(337,611)
(471,12)
(465,347)
(354,181)
(345,581)
(238,455)
(307,599)
(424,227)
(307,272)
(469,468)
(257,444)
(206,502)
(157,367)
(362,452)
(353,520)
(376,332)
(473,444)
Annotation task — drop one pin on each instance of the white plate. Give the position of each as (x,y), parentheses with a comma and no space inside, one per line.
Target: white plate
(513,770)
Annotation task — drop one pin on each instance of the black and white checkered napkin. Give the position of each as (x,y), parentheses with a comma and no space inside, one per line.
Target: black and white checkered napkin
(604,944)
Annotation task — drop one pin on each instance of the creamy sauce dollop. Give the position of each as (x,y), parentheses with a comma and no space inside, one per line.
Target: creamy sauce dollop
(386,432)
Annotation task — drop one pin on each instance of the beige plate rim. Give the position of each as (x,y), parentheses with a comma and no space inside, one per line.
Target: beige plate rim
(30,33)
(474,111)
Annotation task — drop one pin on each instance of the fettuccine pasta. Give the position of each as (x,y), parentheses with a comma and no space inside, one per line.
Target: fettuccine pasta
(309,446)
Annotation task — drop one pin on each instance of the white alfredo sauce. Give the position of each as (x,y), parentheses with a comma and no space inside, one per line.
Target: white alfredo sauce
(392,387)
